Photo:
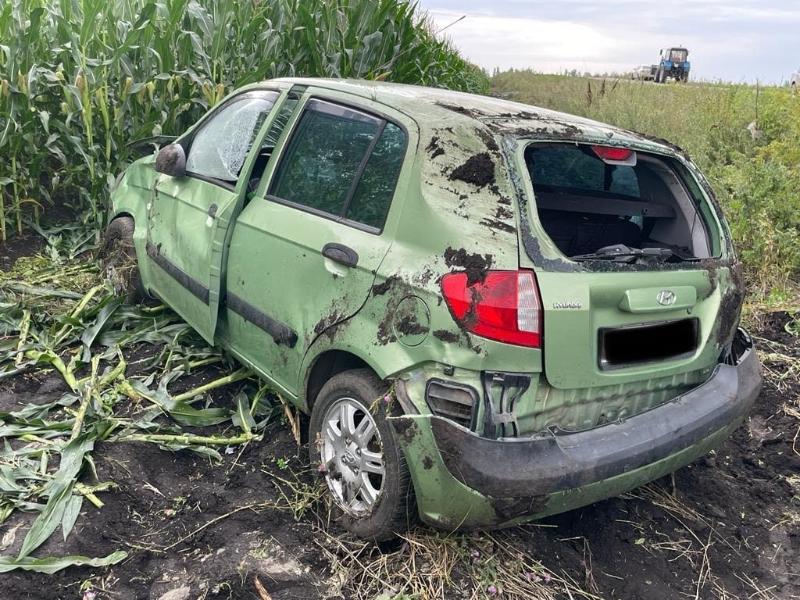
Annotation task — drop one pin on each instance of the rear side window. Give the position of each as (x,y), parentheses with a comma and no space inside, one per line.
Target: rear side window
(343,163)
(370,203)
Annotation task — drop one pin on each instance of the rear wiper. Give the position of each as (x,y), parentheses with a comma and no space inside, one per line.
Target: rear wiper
(623,253)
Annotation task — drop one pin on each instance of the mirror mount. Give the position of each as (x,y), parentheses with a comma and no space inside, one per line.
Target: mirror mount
(171,160)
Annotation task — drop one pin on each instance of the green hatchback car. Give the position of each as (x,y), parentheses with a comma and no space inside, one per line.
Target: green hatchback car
(491,312)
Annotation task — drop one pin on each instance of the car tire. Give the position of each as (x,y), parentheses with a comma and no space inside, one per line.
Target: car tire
(118,256)
(361,394)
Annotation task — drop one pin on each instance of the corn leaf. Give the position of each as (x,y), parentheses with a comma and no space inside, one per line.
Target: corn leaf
(71,512)
(59,491)
(182,412)
(54,564)
(91,332)
(242,417)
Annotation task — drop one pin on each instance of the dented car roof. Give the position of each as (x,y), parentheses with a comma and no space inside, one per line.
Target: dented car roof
(500,115)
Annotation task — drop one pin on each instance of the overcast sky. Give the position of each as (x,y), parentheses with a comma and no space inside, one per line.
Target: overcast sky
(736,41)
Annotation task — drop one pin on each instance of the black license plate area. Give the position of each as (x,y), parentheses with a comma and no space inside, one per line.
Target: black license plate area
(651,342)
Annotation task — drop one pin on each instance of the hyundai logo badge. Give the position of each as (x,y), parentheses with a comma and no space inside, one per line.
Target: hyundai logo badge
(666,298)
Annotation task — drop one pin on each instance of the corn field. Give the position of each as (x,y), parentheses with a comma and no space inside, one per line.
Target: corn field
(80,79)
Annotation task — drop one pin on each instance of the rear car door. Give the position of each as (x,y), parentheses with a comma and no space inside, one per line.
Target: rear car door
(189,216)
(304,255)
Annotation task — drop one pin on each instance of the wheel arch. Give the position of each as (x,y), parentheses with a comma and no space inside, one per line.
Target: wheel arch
(325,365)
(120,214)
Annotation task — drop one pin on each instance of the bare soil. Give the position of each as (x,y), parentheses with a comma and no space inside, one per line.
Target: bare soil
(24,245)
(726,526)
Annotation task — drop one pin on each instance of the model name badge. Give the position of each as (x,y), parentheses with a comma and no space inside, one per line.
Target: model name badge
(567,305)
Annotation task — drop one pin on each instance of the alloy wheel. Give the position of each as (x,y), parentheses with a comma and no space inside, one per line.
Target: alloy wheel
(352,454)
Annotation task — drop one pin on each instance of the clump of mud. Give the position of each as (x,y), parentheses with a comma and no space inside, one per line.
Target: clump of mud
(475,265)
(488,139)
(446,336)
(434,148)
(478,170)
(408,325)
(379,289)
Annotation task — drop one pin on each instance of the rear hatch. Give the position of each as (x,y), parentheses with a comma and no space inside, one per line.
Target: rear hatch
(636,287)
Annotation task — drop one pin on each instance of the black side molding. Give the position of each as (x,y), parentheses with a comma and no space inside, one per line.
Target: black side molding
(279,332)
(196,288)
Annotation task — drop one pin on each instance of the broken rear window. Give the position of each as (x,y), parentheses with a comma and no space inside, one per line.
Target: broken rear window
(600,200)
(562,166)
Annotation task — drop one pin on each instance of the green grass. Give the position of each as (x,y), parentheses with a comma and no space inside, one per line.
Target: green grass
(79,79)
(757,180)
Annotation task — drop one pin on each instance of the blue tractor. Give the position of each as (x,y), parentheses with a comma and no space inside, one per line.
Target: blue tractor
(674,63)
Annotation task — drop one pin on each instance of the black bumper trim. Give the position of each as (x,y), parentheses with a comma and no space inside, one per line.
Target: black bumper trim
(557,461)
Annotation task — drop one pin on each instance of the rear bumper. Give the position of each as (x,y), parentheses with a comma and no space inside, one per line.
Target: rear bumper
(556,471)
(558,461)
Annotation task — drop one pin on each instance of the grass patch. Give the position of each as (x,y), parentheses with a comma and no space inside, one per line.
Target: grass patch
(429,565)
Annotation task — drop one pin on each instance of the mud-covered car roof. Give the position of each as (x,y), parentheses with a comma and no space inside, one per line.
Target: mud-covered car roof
(502,116)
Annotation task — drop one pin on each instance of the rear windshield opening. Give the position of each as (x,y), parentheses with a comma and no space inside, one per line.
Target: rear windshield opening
(587,205)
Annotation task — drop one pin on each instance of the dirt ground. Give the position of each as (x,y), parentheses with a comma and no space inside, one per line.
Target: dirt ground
(725,527)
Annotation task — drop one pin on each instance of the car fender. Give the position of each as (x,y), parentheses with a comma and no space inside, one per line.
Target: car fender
(130,198)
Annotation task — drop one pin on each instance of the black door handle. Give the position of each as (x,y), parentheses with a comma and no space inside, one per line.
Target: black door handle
(340,254)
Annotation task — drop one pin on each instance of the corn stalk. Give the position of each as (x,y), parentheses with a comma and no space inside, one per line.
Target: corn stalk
(79,80)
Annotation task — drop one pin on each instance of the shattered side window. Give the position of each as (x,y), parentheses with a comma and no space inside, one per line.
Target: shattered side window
(280,122)
(324,156)
(373,196)
(219,149)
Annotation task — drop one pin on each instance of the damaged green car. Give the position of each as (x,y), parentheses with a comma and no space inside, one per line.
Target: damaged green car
(491,312)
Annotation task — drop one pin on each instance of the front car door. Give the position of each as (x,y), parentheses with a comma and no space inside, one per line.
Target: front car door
(189,217)
(304,254)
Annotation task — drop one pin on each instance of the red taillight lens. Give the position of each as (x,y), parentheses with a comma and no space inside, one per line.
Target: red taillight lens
(613,154)
(505,306)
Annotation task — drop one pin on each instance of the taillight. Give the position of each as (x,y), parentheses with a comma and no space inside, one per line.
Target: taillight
(612,155)
(505,306)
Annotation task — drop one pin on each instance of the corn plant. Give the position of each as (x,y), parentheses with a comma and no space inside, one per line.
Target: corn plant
(79,79)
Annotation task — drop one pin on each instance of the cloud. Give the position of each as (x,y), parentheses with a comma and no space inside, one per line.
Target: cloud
(515,42)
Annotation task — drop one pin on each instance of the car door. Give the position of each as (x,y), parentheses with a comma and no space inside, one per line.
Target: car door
(189,216)
(303,256)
